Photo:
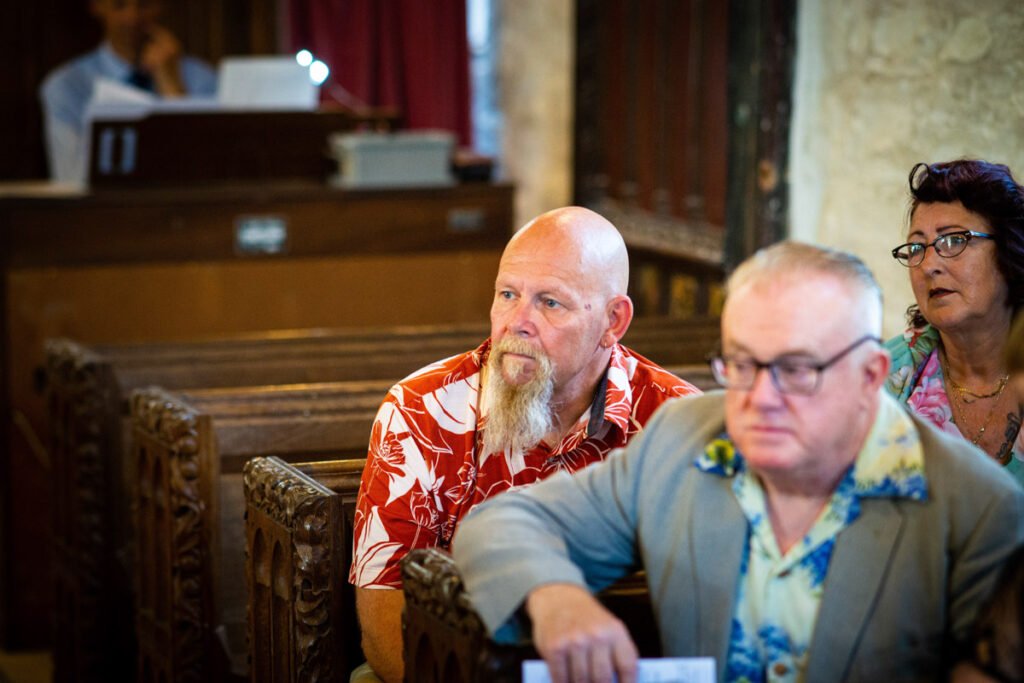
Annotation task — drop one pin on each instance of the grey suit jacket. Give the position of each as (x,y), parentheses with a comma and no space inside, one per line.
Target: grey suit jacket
(903,586)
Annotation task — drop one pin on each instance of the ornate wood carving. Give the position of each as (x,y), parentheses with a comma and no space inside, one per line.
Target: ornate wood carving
(313,590)
(286,496)
(436,587)
(695,238)
(77,400)
(175,425)
(438,608)
(277,489)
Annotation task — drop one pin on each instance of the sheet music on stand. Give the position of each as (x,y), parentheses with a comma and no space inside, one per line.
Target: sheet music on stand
(112,100)
(266,83)
(660,670)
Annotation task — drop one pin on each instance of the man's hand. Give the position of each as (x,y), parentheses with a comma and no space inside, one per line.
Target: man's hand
(161,57)
(579,639)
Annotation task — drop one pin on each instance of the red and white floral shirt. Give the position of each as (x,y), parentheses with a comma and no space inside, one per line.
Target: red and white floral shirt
(423,471)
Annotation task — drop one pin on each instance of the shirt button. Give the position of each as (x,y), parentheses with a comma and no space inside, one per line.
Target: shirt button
(780,669)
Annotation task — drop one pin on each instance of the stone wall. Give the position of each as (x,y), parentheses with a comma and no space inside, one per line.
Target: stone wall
(881,85)
(536,74)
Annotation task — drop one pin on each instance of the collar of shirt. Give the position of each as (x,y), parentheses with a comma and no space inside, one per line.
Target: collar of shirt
(890,463)
(910,352)
(112,64)
(779,595)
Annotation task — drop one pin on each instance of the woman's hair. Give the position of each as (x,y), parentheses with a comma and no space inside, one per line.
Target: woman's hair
(998,639)
(988,190)
(1015,347)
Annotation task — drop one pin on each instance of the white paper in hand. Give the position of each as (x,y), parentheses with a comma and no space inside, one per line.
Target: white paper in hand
(664,670)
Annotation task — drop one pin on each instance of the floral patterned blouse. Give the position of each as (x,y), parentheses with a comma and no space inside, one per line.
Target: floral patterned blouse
(778,594)
(424,470)
(916,380)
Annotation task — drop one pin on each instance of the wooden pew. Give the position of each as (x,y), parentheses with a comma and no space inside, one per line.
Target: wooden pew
(288,501)
(190,449)
(444,639)
(88,389)
(298,520)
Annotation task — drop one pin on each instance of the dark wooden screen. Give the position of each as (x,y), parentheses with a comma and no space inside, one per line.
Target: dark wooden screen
(682,113)
(651,140)
(762,36)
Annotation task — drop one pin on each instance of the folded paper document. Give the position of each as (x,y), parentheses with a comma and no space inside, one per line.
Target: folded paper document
(662,670)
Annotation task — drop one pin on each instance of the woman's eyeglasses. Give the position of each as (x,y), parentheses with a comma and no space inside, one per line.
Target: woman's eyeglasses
(947,246)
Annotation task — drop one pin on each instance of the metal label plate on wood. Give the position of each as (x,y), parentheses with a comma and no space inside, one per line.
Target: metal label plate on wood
(466,220)
(261,235)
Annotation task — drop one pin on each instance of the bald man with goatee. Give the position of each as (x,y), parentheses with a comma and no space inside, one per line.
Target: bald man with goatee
(550,390)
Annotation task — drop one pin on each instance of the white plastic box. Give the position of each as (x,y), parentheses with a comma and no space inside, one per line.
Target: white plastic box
(380,160)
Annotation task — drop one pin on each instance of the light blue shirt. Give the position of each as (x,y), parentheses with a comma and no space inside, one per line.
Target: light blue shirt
(65,94)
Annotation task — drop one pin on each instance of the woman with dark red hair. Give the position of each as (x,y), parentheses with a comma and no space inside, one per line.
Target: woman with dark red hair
(965,255)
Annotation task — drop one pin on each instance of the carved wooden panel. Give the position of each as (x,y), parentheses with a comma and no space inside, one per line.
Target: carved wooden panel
(682,130)
(92,641)
(445,640)
(651,140)
(175,603)
(93,480)
(302,624)
(90,410)
(191,448)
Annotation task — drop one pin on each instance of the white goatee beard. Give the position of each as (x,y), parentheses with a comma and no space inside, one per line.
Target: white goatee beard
(518,416)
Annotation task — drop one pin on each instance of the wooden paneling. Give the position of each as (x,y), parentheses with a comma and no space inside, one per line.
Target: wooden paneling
(682,132)
(651,92)
(153,265)
(198,224)
(763,34)
(651,141)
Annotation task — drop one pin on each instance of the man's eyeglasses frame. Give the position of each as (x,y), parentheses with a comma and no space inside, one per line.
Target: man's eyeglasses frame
(719,368)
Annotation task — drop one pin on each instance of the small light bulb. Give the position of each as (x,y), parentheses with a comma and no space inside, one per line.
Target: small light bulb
(304,57)
(318,72)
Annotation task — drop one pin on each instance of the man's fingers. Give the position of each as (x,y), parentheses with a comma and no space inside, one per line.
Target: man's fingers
(557,669)
(580,640)
(601,664)
(579,662)
(624,656)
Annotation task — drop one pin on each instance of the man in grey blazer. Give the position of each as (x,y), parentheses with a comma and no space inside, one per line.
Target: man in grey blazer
(799,526)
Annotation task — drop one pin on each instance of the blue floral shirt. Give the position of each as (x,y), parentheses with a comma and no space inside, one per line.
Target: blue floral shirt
(778,594)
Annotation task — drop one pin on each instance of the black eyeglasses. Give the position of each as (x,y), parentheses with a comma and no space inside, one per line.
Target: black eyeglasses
(789,375)
(947,246)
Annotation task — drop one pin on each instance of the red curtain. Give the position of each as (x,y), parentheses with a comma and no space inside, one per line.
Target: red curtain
(409,54)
